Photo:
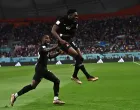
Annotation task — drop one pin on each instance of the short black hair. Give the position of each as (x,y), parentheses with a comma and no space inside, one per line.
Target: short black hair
(71,11)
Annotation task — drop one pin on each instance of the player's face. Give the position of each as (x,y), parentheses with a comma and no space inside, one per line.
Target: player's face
(46,39)
(74,16)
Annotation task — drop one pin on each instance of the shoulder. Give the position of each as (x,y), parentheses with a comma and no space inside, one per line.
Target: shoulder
(42,47)
(60,20)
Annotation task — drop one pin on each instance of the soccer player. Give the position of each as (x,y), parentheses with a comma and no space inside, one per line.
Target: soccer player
(41,71)
(63,30)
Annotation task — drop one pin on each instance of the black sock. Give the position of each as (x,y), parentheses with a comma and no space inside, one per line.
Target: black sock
(78,62)
(76,69)
(56,88)
(25,90)
(84,71)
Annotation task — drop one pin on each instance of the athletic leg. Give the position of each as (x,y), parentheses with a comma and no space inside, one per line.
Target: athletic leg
(28,88)
(72,52)
(48,75)
(76,69)
(24,90)
(80,64)
(36,80)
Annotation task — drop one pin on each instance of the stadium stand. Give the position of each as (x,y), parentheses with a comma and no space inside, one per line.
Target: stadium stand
(112,34)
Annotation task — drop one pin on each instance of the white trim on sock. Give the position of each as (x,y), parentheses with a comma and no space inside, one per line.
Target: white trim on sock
(55,98)
(16,95)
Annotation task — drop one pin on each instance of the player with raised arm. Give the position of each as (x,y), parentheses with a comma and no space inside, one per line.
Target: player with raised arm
(64,30)
(41,71)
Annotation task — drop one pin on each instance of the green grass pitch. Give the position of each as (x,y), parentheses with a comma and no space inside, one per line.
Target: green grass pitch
(118,88)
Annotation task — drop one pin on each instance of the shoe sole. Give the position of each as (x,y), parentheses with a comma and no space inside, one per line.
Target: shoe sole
(12,102)
(75,80)
(58,103)
(94,79)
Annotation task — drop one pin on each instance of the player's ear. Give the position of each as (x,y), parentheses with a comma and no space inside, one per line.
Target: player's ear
(70,15)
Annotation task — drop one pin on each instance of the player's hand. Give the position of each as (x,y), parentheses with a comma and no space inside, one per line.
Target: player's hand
(61,51)
(62,41)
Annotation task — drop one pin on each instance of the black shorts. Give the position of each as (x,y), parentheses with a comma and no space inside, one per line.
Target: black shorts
(74,45)
(42,72)
(66,46)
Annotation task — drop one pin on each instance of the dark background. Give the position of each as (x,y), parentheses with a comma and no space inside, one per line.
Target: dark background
(45,8)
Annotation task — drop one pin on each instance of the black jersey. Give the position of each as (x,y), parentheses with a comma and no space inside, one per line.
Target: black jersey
(67,28)
(43,55)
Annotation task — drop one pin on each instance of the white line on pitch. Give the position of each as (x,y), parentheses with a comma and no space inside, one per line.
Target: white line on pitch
(136,63)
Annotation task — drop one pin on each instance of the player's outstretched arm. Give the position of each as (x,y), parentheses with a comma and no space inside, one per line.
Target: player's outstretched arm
(53,48)
(49,49)
(54,55)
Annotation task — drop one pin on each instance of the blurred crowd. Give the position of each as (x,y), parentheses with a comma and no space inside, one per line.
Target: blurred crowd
(114,34)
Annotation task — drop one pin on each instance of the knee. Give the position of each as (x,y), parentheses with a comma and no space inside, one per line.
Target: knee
(33,86)
(79,60)
(57,81)
(82,59)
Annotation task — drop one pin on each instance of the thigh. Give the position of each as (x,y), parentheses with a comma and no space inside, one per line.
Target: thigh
(50,76)
(38,74)
(37,77)
(74,45)
(79,53)
(72,52)
(64,47)
(68,49)
(76,48)
(35,83)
